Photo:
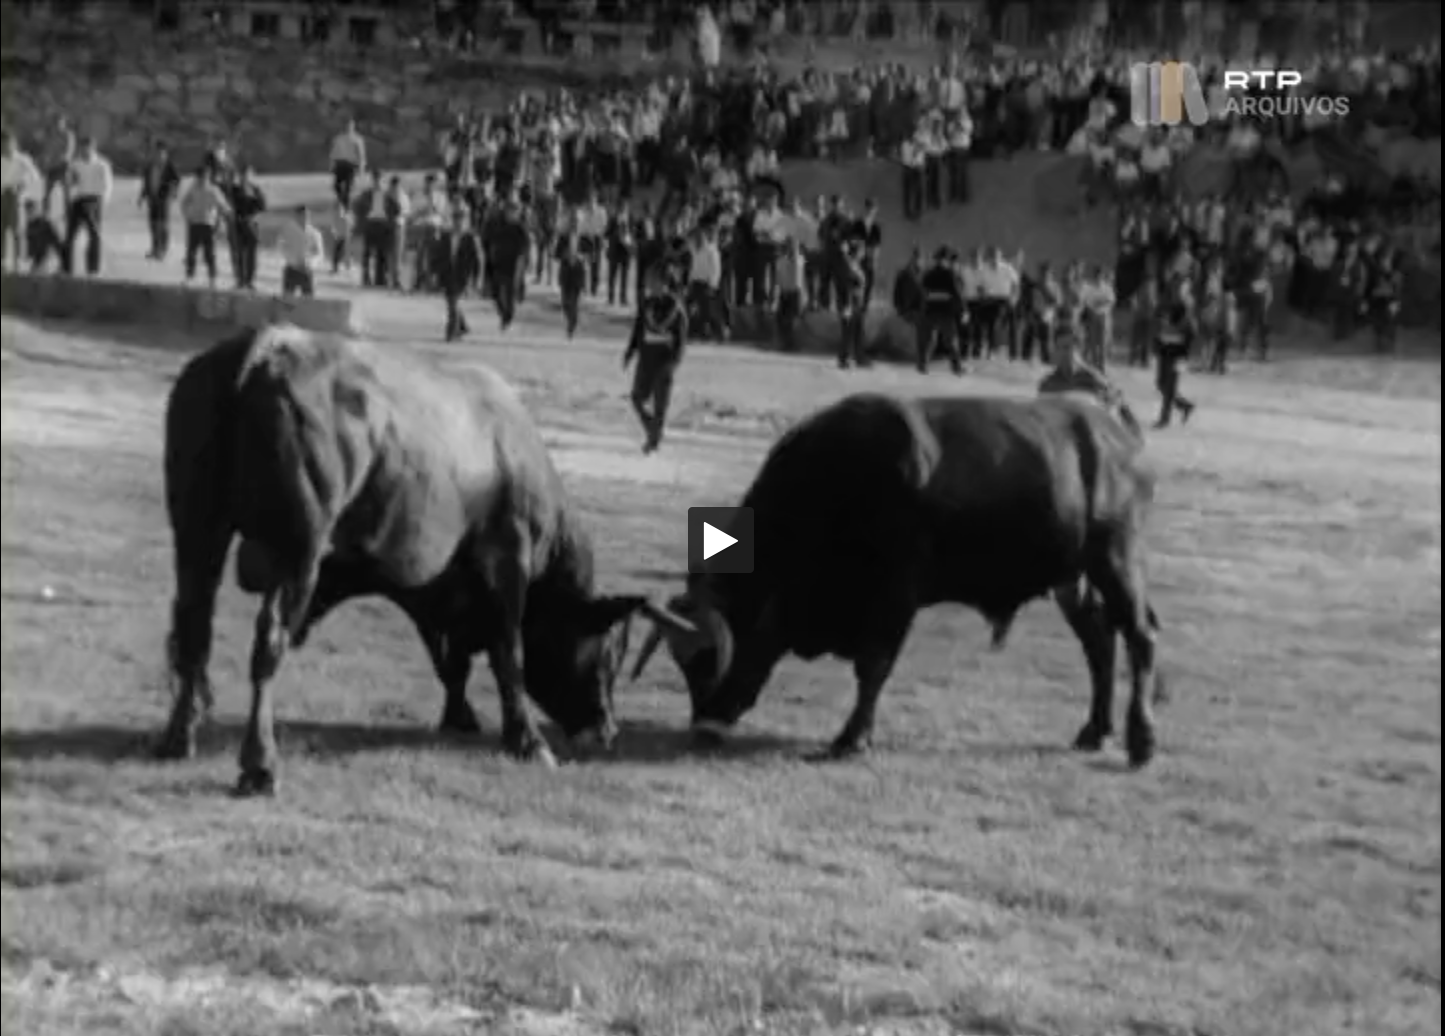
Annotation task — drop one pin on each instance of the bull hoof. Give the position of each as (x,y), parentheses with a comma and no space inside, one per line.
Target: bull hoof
(1139,741)
(460,721)
(530,748)
(253,784)
(1161,689)
(839,751)
(1090,739)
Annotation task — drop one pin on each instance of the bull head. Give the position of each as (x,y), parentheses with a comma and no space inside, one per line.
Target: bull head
(696,634)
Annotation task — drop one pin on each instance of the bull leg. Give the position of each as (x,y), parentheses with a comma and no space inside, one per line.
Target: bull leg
(872,671)
(1085,615)
(519,729)
(283,613)
(199,566)
(1121,582)
(454,669)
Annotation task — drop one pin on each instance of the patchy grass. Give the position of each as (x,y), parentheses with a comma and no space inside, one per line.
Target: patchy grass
(1278,870)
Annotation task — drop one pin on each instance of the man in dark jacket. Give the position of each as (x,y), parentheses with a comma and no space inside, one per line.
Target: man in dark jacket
(247,204)
(942,309)
(659,336)
(850,283)
(1171,349)
(159,186)
(620,248)
(868,232)
(506,246)
(455,261)
(571,280)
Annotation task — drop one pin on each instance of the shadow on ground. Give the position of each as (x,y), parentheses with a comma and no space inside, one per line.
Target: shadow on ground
(637,741)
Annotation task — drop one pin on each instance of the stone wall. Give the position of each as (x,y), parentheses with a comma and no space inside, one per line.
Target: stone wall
(277,102)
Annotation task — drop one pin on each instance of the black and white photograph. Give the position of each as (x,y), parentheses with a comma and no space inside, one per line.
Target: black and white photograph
(753,518)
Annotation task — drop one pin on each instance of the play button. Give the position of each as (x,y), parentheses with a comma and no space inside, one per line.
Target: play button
(720,540)
(714,540)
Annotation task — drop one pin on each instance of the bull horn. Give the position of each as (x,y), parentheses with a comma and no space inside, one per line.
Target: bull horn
(666,618)
(666,623)
(649,648)
(704,627)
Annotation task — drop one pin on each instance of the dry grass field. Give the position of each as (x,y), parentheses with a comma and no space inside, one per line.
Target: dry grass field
(1276,871)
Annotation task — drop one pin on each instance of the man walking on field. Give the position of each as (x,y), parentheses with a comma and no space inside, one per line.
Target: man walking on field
(348,159)
(659,337)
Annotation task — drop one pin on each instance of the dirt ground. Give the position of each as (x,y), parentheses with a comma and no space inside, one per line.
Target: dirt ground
(1276,871)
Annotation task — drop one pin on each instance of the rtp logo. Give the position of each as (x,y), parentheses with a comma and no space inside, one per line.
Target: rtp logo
(1162,93)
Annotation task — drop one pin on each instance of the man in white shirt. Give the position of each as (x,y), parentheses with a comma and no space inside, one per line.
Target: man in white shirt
(301,249)
(429,217)
(203,207)
(591,227)
(21,180)
(704,294)
(348,159)
(91,185)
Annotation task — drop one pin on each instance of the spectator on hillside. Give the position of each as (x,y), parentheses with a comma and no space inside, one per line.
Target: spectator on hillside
(20,181)
(302,250)
(92,182)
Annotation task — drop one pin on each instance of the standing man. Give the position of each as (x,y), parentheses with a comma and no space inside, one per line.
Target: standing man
(908,296)
(852,307)
(942,311)
(396,207)
(934,151)
(591,226)
(456,263)
(456,154)
(704,290)
(620,248)
(222,167)
(21,182)
(348,160)
(790,279)
(506,246)
(867,231)
(203,207)
(571,281)
(302,248)
(59,152)
(371,217)
(912,160)
(960,141)
(659,337)
(1171,350)
(430,221)
(247,204)
(158,187)
(91,183)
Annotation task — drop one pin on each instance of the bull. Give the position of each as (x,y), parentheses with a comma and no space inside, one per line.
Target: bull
(876,507)
(345,469)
